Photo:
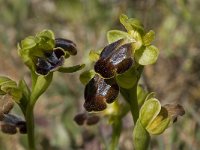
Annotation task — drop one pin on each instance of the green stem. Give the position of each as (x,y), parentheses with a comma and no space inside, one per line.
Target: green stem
(117,126)
(130,95)
(30,126)
(134,104)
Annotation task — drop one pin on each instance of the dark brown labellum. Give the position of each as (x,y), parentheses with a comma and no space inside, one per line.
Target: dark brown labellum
(10,124)
(99,91)
(115,58)
(80,118)
(22,127)
(8,128)
(51,62)
(89,119)
(93,119)
(67,45)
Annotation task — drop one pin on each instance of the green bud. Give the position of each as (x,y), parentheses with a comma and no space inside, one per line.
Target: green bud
(156,119)
(149,110)
(160,123)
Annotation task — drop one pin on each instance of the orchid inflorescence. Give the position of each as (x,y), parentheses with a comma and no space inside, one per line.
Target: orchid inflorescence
(117,70)
(43,54)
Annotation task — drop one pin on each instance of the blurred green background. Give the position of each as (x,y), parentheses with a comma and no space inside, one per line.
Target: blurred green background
(175,77)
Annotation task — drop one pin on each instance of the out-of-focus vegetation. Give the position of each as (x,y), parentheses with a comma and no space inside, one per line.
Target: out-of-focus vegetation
(175,77)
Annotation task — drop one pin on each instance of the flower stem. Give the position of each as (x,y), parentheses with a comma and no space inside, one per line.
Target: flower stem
(130,95)
(134,104)
(30,127)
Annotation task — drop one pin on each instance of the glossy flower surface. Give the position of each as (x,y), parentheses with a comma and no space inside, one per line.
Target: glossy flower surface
(114,59)
(100,91)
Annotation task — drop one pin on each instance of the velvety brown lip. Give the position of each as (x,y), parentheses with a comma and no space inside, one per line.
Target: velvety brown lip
(115,58)
(98,92)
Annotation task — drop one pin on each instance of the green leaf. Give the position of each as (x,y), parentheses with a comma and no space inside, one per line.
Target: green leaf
(146,55)
(141,137)
(160,123)
(149,37)
(115,35)
(86,76)
(124,21)
(149,110)
(94,56)
(128,79)
(71,69)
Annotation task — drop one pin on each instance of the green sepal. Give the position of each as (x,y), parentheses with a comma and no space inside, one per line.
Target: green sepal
(45,40)
(71,69)
(27,43)
(8,86)
(141,137)
(150,95)
(149,110)
(160,123)
(115,35)
(149,37)
(94,55)
(86,76)
(125,22)
(128,79)
(146,55)
(138,40)
(136,25)
(131,24)
(4,79)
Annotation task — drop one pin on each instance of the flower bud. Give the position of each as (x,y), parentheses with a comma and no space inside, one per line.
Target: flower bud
(8,128)
(155,119)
